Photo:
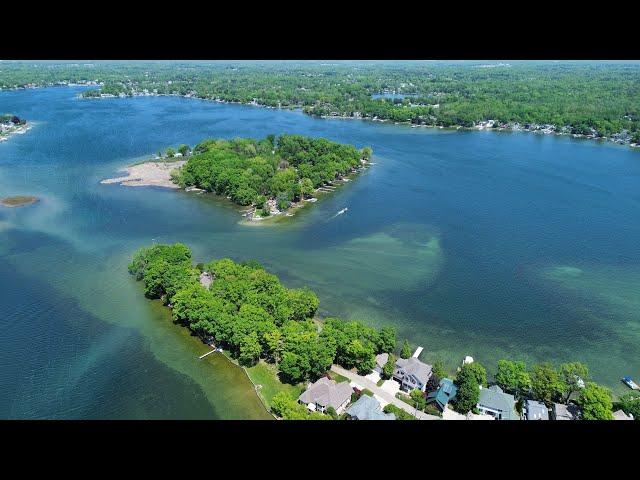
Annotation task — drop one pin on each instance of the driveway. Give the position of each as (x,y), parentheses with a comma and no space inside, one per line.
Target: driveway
(381,393)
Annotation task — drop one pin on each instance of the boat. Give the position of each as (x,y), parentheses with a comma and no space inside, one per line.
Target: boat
(628,381)
(342,211)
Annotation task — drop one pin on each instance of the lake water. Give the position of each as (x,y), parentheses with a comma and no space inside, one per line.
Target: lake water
(471,243)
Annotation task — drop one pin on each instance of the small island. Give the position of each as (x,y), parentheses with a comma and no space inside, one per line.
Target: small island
(271,176)
(11,125)
(18,201)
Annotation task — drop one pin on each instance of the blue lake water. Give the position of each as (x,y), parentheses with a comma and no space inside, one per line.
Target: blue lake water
(487,244)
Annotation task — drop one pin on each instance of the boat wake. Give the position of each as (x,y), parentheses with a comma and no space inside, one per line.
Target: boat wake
(339,213)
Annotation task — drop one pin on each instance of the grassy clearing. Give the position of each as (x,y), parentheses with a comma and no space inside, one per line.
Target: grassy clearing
(265,374)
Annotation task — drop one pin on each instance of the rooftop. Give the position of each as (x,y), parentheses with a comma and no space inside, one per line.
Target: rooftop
(413,366)
(368,408)
(495,399)
(327,393)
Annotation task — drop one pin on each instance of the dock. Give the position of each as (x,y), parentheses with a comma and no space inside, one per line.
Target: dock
(208,353)
(417,353)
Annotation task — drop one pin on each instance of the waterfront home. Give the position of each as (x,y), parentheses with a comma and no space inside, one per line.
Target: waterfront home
(493,401)
(560,411)
(445,393)
(534,410)
(411,373)
(381,361)
(368,408)
(326,393)
(621,415)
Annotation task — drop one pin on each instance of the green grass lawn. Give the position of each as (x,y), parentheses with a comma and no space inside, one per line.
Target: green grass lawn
(264,374)
(380,382)
(337,377)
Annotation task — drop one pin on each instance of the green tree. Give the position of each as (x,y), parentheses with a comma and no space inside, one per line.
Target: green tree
(475,370)
(419,401)
(546,384)
(468,394)
(183,149)
(595,401)
(630,404)
(275,344)
(513,377)
(387,339)
(405,351)
(439,370)
(171,152)
(389,367)
(574,375)
(250,349)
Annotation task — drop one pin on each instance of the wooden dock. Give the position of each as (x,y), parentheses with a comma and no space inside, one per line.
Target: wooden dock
(208,353)
(417,353)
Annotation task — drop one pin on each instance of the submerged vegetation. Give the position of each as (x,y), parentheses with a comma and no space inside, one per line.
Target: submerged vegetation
(592,99)
(268,173)
(248,311)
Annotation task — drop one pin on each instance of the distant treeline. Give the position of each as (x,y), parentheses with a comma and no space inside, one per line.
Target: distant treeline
(588,98)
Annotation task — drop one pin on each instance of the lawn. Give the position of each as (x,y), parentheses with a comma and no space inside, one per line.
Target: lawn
(264,374)
(337,377)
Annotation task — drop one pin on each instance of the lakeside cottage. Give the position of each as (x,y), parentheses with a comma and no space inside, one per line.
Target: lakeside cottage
(326,393)
(368,408)
(445,393)
(534,410)
(412,374)
(493,401)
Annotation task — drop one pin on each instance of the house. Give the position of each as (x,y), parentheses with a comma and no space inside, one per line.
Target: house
(411,373)
(535,411)
(381,361)
(561,411)
(620,415)
(326,393)
(445,393)
(368,408)
(493,401)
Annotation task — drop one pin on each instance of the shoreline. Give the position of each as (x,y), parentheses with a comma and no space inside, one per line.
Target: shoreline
(301,108)
(152,173)
(20,130)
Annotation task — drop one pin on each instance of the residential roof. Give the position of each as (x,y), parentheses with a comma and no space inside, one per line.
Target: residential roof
(413,366)
(368,408)
(445,393)
(620,415)
(565,412)
(327,393)
(536,410)
(495,399)
(382,359)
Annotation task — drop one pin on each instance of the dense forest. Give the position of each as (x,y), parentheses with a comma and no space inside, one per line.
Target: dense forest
(593,99)
(280,169)
(248,311)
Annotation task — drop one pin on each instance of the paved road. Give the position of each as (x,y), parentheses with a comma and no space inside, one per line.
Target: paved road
(386,396)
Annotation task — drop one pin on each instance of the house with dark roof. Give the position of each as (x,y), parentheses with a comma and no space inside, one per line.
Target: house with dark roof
(411,373)
(560,411)
(368,408)
(444,394)
(534,410)
(326,393)
(493,401)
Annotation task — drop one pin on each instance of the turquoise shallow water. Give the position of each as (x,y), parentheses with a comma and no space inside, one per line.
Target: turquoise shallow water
(471,243)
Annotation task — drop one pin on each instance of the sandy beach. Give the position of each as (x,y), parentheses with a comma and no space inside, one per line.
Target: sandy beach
(155,174)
